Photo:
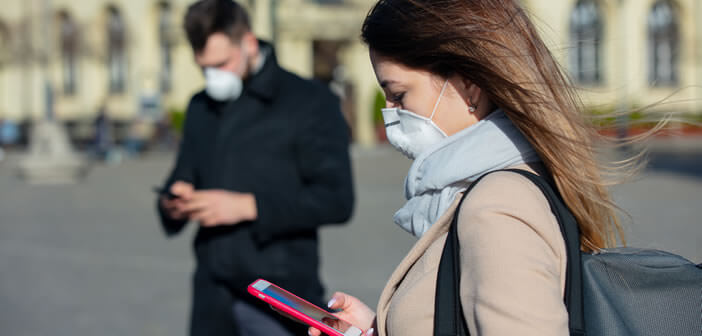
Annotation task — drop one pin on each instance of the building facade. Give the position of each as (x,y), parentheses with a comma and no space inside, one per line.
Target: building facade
(129,56)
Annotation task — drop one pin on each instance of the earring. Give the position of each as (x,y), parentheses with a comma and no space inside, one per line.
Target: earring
(471,108)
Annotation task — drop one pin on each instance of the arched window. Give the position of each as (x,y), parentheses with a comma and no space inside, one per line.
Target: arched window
(116,51)
(69,52)
(4,43)
(664,45)
(586,36)
(165,45)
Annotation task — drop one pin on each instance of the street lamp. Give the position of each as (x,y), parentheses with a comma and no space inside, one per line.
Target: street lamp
(622,119)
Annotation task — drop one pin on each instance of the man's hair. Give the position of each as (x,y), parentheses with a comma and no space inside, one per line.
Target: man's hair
(207,17)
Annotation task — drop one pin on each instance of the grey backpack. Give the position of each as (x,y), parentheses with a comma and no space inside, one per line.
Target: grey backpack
(630,291)
(616,292)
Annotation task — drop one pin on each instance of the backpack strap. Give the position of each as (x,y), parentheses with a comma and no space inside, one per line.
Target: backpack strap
(571,234)
(448,312)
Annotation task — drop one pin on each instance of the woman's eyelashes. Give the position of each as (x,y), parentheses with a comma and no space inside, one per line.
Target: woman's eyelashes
(397,98)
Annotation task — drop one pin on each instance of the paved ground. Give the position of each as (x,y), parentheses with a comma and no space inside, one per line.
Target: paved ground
(89,259)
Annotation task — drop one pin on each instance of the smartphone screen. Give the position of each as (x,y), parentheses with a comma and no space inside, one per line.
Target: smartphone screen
(305,307)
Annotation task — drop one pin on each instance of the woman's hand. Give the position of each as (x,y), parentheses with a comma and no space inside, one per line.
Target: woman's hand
(352,311)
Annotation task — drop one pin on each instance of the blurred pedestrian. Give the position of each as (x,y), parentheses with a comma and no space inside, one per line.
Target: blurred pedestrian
(2,143)
(137,134)
(102,140)
(262,164)
(164,131)
(9,136)
(9,133)
(471,88)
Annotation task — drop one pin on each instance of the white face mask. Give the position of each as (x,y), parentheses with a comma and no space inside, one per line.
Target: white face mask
(411,133)
(222,85)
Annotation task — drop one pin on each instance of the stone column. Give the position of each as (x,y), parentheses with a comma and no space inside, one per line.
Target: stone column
(361,74)
(295,54)
(262,19)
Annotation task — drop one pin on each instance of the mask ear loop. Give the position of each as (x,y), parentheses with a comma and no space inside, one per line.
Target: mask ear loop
(438,100)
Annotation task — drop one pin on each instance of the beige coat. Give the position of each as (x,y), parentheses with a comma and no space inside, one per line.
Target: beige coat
(513,264)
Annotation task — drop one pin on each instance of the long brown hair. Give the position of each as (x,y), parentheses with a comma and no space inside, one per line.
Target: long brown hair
(494,44)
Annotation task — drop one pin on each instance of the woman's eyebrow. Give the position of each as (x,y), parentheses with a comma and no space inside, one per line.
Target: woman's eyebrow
(385,83)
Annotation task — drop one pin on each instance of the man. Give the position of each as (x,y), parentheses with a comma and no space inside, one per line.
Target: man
(262,164)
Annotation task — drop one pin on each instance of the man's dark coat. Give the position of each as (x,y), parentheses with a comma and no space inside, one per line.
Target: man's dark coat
(286,141)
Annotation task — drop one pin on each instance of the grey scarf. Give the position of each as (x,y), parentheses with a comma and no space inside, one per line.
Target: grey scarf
(448,167)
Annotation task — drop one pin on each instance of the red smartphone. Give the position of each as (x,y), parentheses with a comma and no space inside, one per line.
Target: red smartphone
(302,310)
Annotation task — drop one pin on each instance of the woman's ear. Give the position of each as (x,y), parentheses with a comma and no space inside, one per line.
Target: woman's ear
(474,92)
(470,93)
(461,85)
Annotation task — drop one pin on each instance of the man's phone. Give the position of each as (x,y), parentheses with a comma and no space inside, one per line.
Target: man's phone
(165,193)
(302,310)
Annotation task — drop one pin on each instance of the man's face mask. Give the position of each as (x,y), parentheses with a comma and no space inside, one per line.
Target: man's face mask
(411,133)
(222,85)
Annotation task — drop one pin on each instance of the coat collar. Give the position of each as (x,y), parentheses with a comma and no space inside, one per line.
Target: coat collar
(436,231)
(263,83)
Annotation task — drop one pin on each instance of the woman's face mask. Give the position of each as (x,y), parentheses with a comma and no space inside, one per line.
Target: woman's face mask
(411,133)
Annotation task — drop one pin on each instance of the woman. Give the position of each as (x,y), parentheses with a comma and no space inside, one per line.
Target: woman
(471,88)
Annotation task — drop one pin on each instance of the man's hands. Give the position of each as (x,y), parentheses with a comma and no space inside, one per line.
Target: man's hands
(220,207)
(210,207)
(175,208)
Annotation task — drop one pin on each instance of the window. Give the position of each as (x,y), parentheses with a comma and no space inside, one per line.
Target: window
(664,45)
(69,52)
(4,44)
(165,45)
(116,55)
(586,35)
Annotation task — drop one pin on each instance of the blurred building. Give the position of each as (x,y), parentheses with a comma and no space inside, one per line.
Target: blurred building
(132,56)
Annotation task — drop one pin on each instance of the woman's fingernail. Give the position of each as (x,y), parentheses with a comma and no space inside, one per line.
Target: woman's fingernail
(309,332)
(370,332)
(331,302)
